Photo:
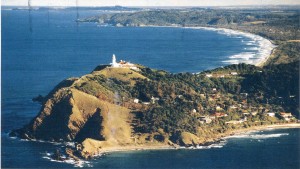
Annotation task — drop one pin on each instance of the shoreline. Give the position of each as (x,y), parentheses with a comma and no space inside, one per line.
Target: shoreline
(217,142)
(218,138)
(265,46)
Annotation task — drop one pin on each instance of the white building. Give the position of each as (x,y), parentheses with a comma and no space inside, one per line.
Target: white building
(234,73)
(208,75)
(114,61)
(122,64)
(154,99)
(271,114)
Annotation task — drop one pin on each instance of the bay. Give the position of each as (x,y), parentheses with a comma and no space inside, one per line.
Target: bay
(42,47)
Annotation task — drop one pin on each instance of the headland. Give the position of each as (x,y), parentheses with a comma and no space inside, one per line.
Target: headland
(125,106)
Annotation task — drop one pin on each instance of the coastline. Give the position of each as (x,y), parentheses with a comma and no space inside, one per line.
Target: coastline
(263,127)
(265,46)
(217,139)
(215,143)
(223,137)
(265,49)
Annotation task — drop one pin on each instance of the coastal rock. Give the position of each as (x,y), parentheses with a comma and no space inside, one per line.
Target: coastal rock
(188,139)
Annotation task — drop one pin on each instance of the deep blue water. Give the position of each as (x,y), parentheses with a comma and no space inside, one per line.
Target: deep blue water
(42,47)
(265,149)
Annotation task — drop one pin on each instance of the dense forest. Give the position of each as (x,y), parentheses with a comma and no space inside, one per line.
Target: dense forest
(274,87)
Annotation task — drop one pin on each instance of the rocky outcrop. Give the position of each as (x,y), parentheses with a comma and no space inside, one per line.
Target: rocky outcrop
(188,139)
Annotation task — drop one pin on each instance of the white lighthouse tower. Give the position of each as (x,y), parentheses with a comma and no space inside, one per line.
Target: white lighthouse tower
(114,61)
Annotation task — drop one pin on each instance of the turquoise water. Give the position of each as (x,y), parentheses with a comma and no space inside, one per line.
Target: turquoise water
(42,47)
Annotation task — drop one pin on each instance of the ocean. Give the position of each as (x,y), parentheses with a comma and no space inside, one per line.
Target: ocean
(41,47)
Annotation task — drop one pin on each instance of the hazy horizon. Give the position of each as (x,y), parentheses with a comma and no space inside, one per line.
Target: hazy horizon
(147,3)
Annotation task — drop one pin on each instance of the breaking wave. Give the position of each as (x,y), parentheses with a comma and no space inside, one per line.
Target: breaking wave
(260,47)
(219,144)
(79,163)
(214,145)
(258,136)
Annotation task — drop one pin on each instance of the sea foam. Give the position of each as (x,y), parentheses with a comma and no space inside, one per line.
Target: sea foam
(261,48)
(79,163)
(258,136)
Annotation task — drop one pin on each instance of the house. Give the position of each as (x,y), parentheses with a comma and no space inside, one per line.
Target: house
(208,75)
(234,73)
(233,107)
(153,99)
(179,96)
(136,101)
(254,113)
(146,103)
(219,114)
(286,116)
(218,108)
(243,119)
(271,114)
(205,119)
(202,95)
(244,94)
(246,113)
(194,111)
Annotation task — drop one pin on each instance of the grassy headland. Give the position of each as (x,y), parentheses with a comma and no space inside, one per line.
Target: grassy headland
(121,108)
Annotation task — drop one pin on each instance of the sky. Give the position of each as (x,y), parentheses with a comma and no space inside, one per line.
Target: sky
(148,2)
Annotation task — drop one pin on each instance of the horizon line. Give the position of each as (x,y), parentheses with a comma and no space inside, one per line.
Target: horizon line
(161,6)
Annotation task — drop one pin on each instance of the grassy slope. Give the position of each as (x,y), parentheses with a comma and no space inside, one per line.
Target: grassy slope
(286,52)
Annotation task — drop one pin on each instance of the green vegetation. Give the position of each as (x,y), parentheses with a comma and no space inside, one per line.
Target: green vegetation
(286,52)
(252,92)
(235,96)
(272,89)
(113,107)
(275,24)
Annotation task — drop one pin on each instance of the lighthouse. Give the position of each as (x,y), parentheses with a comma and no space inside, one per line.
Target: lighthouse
(114,61)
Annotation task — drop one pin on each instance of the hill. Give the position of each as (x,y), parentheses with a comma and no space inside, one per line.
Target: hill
(119,108)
